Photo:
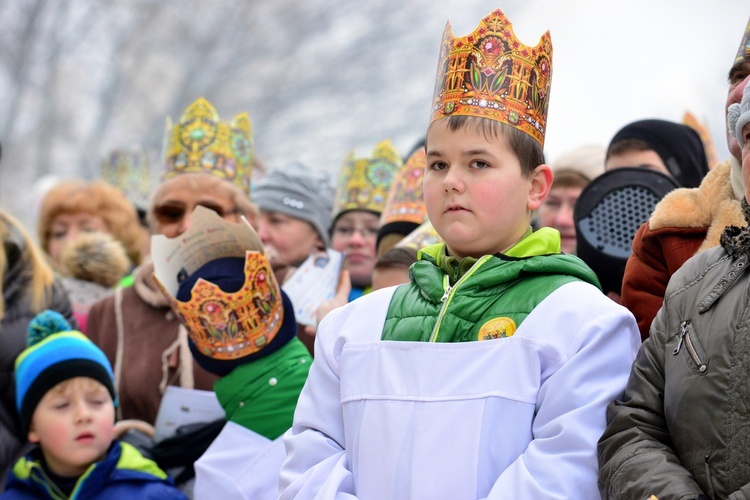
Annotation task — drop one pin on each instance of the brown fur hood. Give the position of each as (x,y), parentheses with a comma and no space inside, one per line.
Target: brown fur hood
(712,205)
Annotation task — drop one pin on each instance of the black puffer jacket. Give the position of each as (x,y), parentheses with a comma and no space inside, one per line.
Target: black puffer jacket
(18,314)
(683,426)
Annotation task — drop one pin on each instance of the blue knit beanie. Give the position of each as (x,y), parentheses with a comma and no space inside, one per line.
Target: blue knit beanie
(55,353)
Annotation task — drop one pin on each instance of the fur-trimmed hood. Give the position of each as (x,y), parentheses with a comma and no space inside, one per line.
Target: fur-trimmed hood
(713,204)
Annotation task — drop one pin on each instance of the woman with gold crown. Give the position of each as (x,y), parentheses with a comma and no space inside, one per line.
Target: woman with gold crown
(208,163)
(361,196)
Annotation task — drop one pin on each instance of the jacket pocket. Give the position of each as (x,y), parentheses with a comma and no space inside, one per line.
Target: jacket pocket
(689,345)
(692,351)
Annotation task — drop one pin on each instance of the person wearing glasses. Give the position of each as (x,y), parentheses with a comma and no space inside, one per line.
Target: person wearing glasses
(207,162)
(361,195)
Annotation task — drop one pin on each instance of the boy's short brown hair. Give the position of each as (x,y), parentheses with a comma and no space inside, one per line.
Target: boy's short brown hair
(529,152)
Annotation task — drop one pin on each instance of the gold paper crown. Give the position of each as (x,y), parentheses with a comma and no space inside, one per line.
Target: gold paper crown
(129,170)
(405,201)
(491,74)
(234,325)
(423,236)
(223,325)
(743,53)
(364,182)
(200,142)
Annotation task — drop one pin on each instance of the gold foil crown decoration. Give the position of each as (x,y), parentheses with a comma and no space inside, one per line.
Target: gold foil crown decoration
(405,200)
(130,170)
(743,53)
(364,182)
(491,74)
(201,142)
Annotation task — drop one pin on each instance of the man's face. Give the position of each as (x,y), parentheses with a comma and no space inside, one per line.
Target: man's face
(739,76)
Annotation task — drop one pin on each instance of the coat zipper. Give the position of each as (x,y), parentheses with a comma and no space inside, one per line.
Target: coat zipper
(690,347)
(448,293)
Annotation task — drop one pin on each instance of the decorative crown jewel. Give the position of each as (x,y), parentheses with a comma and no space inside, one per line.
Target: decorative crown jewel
(200,142)
(130,170)
(222,325)
(364,182)
(743,53)
(491,74)
(405,201)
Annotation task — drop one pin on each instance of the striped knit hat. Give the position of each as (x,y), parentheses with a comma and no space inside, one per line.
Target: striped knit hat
(55,353)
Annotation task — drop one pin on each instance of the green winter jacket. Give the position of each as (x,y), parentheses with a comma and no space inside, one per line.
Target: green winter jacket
(489,300)
(261,395)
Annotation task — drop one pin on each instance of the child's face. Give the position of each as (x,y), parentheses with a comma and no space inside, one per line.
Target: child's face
(477,198)
(74,425)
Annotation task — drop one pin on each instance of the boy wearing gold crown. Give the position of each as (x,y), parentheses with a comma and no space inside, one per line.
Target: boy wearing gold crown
(489,374)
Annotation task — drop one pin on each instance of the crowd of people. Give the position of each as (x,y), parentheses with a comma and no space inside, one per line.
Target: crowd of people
(495,329)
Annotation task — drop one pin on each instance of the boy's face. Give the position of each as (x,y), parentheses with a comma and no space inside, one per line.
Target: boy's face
(74,425)
(477,198)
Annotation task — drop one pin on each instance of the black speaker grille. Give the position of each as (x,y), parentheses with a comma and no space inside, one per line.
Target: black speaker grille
(611,225)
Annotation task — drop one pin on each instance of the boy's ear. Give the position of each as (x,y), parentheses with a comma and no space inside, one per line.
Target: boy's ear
(33,436)
(541,183)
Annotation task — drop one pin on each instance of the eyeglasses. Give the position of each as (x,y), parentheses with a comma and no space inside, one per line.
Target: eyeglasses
(172,213)
(348,231)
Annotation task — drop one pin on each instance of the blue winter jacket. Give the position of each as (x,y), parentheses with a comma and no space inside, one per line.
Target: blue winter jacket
(123,474)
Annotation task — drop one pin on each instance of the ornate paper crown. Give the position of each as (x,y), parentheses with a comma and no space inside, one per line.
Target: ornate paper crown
(200,142)
(491,74)
(130,170)
(423,236)
(364,182)
(405,201)
(743,53)
(222,325)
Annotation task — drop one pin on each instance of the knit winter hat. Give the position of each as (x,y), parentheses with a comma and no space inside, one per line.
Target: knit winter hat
(300,192)
(55,353)
(739,116)
(679,146)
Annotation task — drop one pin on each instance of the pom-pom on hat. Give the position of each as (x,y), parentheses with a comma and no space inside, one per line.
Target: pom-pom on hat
(55,353)
(298,191)
(739,116)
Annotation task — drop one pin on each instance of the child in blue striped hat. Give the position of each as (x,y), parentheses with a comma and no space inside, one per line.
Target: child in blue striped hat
(66,400)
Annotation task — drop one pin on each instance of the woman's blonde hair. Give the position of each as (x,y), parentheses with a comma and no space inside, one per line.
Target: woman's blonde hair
(40,275)
(98,198)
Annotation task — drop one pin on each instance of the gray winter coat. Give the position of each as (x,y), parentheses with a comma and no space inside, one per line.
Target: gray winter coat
(683,426)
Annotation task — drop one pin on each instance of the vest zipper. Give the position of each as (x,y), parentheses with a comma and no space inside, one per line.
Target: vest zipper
(692,352)
(448,293)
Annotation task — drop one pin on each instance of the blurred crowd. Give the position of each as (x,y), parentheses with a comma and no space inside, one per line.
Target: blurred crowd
(187,283)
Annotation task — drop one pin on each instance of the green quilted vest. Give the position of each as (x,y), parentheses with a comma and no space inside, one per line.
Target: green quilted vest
(489,301)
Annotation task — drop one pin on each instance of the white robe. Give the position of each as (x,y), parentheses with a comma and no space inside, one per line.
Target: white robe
(515,417)
(240,464)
